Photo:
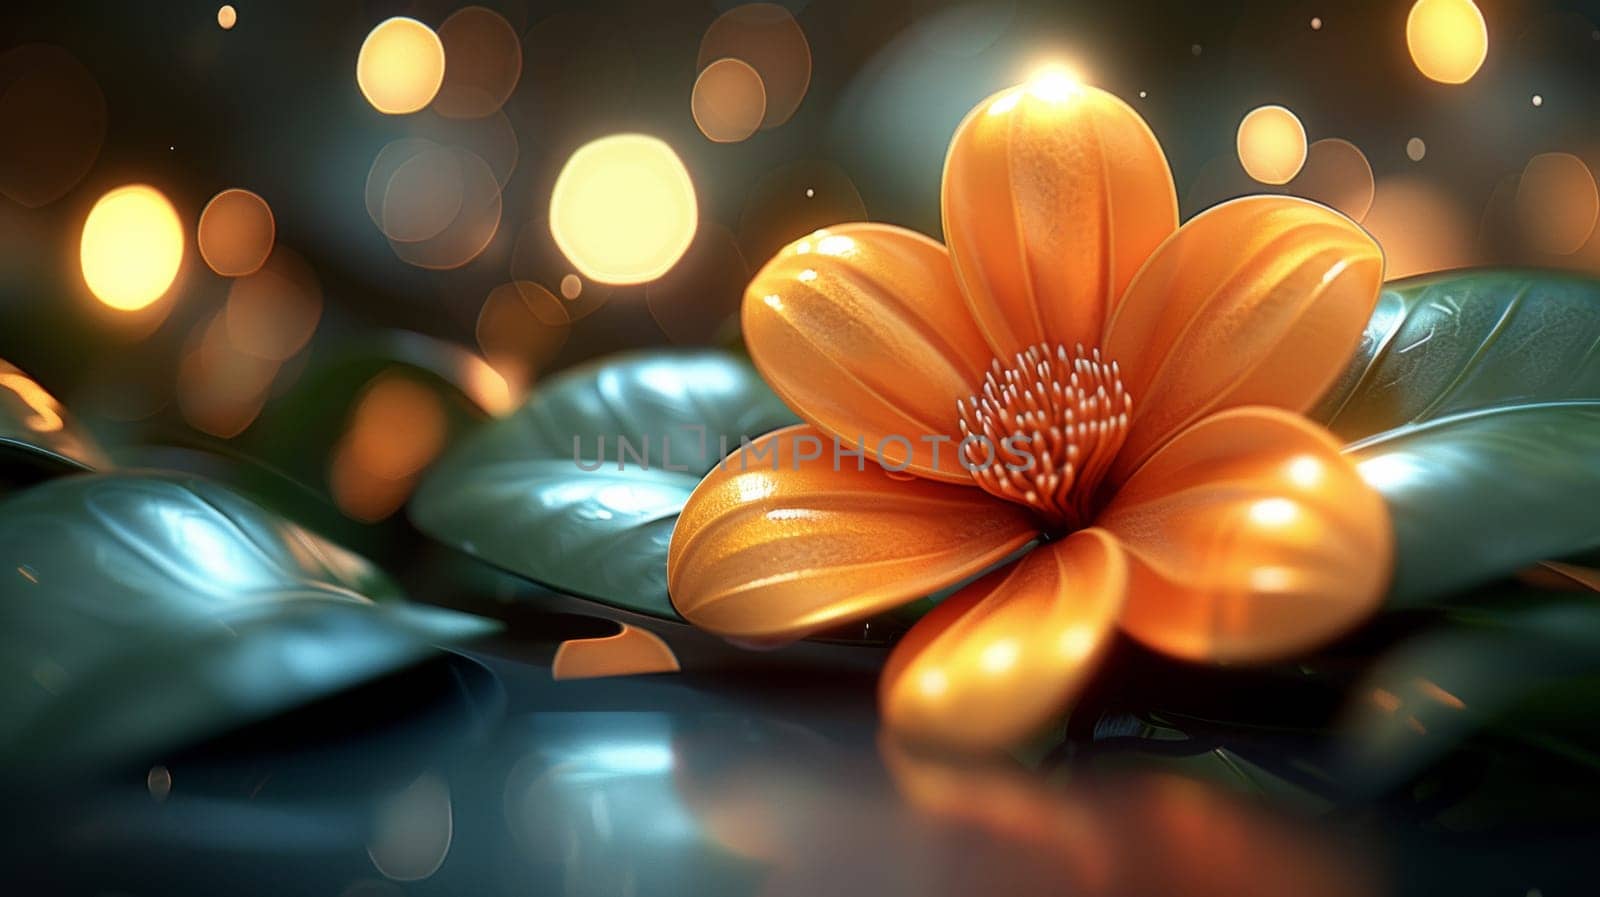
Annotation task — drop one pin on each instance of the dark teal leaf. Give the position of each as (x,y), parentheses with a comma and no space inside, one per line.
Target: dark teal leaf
(1481,495)
(139,612)
(513,494)
(38,438)
(1521,666)
(1460,341)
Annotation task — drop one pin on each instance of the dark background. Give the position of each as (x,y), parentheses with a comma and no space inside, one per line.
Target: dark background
(272,106)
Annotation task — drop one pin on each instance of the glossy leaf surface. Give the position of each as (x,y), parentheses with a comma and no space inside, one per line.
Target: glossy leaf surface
(514,493)
(1448,343)
(1482,495)
(138,612)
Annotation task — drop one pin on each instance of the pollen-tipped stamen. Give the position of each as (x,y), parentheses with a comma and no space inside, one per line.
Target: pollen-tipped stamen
(1044,430)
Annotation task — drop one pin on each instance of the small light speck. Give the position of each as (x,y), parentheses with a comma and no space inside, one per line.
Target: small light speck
(1316,23)
(810,192)
(28,574)
(159,781)
(1538,100)
(1143,94)
(173,148)
(1416,149)
(1194,49)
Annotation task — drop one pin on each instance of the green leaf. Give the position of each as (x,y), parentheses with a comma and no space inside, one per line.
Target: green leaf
(1449,343)
(139,612)
(38,439)
(514,494)
(1483,494)
(1522,666)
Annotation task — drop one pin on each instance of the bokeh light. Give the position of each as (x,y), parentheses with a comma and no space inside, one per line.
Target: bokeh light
(491,138)
(131,248)
(1416,149)
(424,196)
(728,101)
(470,231)
(538,262)
(483,61)
(401,66)
(623,209)
(1448,39)
(236,232)
(1336,174)
(521,328)
(438,205)
(273,312)
(1272,144)
(398,426)
(1419,226)
(384,165)
(766,36)
(52,123)
(227,17)
(221,390)
(1557,203)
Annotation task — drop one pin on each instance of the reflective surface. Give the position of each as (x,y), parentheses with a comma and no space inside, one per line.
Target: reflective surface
(451,779)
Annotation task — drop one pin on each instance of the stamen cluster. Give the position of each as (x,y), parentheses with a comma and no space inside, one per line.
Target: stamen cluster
(1044,430)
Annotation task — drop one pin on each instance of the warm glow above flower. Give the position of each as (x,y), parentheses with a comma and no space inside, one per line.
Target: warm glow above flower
(1073,373)
(1055,83)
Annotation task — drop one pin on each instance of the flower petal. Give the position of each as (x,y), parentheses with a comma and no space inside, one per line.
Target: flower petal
(1054,195)
(863,332)
(1249,537)
(1259,301)
(998,659)
(784,539)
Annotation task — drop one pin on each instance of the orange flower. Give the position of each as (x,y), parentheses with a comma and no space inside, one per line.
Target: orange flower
(1150,373)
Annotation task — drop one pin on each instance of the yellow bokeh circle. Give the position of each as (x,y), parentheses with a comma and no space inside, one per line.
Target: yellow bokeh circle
(400,66)
(1272,144)
(623,209)
(1448,39)
(132,247)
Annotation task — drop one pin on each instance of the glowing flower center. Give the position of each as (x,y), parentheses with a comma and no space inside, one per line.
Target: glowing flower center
(1044,430)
